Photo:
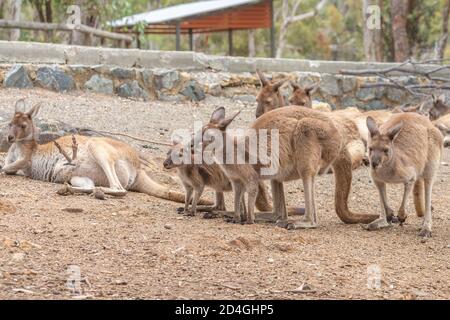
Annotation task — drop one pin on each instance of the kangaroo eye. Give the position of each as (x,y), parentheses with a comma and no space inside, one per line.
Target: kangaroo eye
(386,151)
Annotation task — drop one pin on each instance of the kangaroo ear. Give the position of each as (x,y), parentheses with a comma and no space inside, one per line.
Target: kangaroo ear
(226,122)
(218,115)
(394,131)
(277,85)
(19,106)
(262,78)
(372,126)
(434,98)
(443,128)
(312,88)
(34,111)
(294,85)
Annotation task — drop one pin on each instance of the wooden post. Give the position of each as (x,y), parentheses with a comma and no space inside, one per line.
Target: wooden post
(138,40)
(272,31)
(230,42)
(177,37)
(191,40)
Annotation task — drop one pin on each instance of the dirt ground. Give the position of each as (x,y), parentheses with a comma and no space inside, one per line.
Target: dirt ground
(138,247)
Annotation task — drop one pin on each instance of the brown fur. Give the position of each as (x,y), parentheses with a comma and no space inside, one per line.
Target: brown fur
(406,149)
(195,177)
(321,142)
(101,161)
(269,97)
(443,124)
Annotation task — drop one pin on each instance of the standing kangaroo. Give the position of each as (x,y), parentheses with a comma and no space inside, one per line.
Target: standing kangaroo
(406,149)
(195,177)
(96,161)
(309,143)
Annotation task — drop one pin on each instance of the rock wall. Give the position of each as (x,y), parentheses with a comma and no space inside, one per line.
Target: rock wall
(175,76)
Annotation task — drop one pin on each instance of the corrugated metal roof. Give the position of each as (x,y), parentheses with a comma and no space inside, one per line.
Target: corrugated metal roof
(180,12)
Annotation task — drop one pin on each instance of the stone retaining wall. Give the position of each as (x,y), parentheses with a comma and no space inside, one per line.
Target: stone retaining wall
(175,76)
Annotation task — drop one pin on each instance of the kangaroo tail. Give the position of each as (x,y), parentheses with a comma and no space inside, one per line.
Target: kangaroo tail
(342,168)
(148,186)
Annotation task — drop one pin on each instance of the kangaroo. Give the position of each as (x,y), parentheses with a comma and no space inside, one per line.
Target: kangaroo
(309,143)
(406,149)
(195,177)
(443,124)
(439,108)
(269,97)
(96,161)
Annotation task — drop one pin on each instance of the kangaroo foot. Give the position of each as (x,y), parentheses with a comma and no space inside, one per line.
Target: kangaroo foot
(210,215)
(425,233)
(302,224)
(377,225)
(282,223)
(180,210)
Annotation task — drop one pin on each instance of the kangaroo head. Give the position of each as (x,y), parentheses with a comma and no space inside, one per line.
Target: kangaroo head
(177,152)
(302,96)
(381,145)
(269,97)
(21,127)
(439,107)
(216,126)
(445,132)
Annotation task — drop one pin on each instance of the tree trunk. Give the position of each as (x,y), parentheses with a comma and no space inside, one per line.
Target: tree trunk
(399,11)
(373,41)
(15,12)
(251,43)
(442,44)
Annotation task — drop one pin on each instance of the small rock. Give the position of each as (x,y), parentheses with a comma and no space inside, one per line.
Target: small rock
(193,91)
(99,194)
(330,85)
(120,282)
(17,77)
(99,84)
(122,73)
(166,78)
(54,78)
(168,227)
(132,90)
(21,290)
(244,243)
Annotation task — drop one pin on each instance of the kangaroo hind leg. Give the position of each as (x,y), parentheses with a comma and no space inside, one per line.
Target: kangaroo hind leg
(101,156)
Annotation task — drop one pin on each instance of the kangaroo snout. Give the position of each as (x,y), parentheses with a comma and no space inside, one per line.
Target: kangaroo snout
(10,138)
(168,164)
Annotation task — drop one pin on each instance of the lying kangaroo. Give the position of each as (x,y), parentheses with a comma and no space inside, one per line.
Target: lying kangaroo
(195,177)
(96,161)
(309,143)
(406,149)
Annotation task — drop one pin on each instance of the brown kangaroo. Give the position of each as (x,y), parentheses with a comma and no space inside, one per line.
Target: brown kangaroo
(406,149)
(195,177)
(443,124)
(309,143)
(96,161)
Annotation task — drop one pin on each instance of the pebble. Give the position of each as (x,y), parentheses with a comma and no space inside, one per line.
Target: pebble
(168,226)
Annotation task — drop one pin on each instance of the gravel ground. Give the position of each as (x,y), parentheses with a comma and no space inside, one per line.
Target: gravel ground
(139,247)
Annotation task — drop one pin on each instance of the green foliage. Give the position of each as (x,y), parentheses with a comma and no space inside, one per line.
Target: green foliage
(336,33)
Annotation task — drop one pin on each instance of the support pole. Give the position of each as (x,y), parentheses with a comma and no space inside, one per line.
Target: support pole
(177,37)
(191,40)
(272,31)
(230,42)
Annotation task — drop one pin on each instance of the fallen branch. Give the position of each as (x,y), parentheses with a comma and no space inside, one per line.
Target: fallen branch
(126,135)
